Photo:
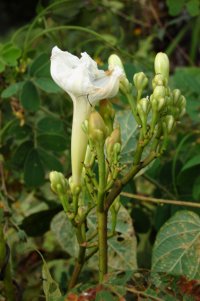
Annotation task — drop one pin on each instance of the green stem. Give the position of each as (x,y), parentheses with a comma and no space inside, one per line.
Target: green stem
(102,242)
(102,214)
(119,184)
(78,267)
(133,107)
(81,256)
(8,284)
(102,178)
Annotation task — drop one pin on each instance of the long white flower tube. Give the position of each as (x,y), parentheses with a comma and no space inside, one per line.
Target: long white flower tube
(86,85)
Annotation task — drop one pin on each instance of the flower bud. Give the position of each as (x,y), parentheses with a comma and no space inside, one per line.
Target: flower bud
(140,81)
(182,102)
(143,105)
(114,61)
(161,65)
(96,128)
(159,92)
(176,95)
(75,189)
(58,182)
(117,148)
(182,112)
(114,138)
(158,80)
(169,123)
(107,113)
(82,210)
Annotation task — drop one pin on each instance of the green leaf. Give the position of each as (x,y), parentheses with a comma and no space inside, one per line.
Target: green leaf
(122,247)
(191,163)
(52,142)
(187,79)
(20,132)
(193,7)
(2,65)
(175,7)
(196,189)
(39,63)
(65,233)
(104,296)
(176,250)
(47,85)
(50,125)
(12,90)
(129,133)
(21,153)
(29,97)
(33,170)
(10,54)
(50,161)
(38,223)
(50,286)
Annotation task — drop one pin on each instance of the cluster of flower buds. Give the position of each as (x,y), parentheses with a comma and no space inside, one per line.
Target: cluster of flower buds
(105,139)
(59,186)
(160,111)
(164,107)
(58,182)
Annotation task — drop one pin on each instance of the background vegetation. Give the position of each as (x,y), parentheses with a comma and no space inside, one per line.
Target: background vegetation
(35,120)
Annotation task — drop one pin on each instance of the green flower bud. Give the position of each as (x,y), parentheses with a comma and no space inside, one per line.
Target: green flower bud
(143,105)
(140,81)
(161,65)
(114,138)
(158,80)
(176,95)
(96,128)
(169,123)
(75,189)
(107,113)
(182,102)
(159,92)
(117,148)
(114,61)
(182,112)
(82,210)
(158,97)
(58,182)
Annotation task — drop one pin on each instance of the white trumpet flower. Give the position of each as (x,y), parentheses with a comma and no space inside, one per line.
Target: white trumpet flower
(86,85)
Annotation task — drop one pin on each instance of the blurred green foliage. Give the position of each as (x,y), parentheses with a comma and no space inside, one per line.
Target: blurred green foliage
(35,120)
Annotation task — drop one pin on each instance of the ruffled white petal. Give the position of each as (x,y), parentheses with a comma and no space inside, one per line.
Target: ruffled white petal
(86,85)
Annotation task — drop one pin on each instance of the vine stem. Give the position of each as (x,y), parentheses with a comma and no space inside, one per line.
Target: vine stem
(160,201)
